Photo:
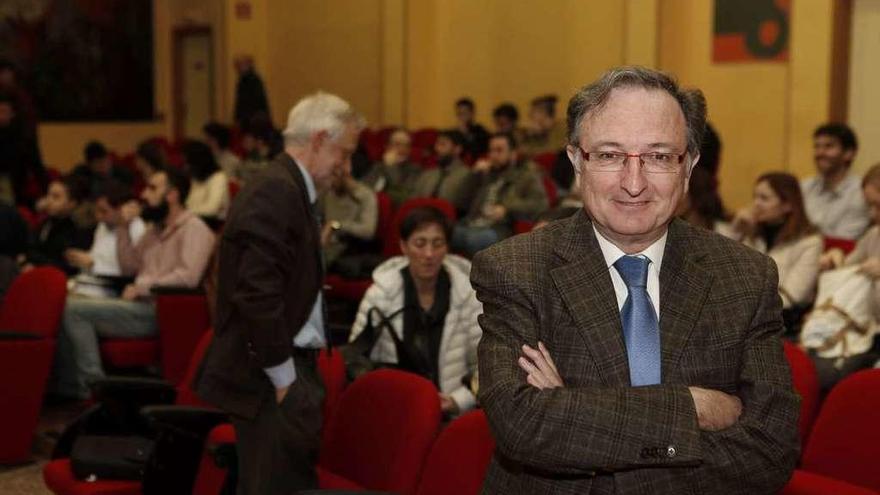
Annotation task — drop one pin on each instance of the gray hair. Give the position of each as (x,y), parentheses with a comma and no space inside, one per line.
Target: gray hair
(320,112)
(594,96)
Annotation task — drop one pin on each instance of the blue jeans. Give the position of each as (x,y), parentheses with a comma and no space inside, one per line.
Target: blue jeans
(469,240)
(78,358)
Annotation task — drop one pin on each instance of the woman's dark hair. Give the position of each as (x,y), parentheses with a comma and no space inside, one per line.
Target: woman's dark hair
(77,187)
(116,193)
(152,154)
(506,110)
(200,160)
(704,197)
(787,187)
(423,216)
(547,104)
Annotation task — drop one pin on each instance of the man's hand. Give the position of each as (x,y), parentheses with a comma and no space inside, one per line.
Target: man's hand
(281,393)
(715,410)
(448,404)
(831,259)
(482,166)
(744,221)
(130,293)
(78,258)
(391,158)
(871,267)
(542,372)
(496,212)
(128,212)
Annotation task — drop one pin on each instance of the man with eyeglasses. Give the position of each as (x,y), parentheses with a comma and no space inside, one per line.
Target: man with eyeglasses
(623,350)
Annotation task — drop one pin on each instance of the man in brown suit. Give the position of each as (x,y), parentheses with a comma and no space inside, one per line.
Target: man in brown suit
(269,320)
(624,351)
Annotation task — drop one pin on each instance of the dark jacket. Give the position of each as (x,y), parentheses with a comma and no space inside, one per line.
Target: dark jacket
(250,99)
(52,238)
(269,276)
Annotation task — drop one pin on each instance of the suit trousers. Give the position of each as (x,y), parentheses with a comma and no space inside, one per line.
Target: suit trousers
(278,448)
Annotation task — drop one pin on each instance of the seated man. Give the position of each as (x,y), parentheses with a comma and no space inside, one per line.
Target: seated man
(173,252)
(101,259)
(451,180)
(395,174)
(510,190)
(98,169)
(350,213)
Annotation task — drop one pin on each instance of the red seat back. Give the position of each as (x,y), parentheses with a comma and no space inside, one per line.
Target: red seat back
(24,370)
(182,320)
(845,440)
(332,369)
(459,458)
(392,242)
(185,394)
(34,302)
(382,431)
(806,382)
(545,161)
(845,245)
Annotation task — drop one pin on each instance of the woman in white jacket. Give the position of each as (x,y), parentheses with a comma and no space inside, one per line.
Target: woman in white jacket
(434,307)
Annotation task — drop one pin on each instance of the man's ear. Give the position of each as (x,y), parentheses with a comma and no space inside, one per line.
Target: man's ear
(317,139)
(690,169)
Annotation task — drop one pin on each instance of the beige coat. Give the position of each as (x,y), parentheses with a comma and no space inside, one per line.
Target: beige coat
(798,265)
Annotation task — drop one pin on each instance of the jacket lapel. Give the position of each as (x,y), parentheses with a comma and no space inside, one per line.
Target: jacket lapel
(684,286)
(584,284)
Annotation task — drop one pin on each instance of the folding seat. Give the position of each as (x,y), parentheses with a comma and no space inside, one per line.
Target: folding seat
(806,382)
(459,458)
(29,321)
(134,406)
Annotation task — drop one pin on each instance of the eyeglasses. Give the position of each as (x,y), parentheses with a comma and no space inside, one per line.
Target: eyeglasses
(652,162)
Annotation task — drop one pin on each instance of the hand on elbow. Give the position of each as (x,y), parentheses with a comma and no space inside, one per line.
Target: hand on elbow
(715,410)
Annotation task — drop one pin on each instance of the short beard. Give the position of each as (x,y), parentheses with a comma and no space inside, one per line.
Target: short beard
(155,214)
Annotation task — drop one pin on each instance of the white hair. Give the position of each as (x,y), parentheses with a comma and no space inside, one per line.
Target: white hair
(320,112)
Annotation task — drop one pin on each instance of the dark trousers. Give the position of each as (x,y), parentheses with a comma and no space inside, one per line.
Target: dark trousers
(278,449)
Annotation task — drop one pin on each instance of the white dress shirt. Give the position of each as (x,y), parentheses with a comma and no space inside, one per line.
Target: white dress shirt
(311,335)
(105,260)
(654,253)
(840,212)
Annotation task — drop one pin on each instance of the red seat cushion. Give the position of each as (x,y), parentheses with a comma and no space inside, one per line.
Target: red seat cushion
(24,370)
(130,353)
(459,458)
(331,481)
(804,483)
(806,382)
(59,478)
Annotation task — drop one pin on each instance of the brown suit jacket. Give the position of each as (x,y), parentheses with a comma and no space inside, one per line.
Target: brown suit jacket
(720,320)
(269,276)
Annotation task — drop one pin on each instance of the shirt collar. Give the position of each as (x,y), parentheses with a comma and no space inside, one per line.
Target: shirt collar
(612,253)
(841,188)
(310,183)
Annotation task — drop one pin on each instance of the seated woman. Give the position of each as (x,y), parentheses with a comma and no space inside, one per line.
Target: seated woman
(426,296)
(209,192)
(702,205)
(777,224)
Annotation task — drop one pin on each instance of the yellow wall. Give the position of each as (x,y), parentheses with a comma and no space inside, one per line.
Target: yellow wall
(864,99)
(764,112)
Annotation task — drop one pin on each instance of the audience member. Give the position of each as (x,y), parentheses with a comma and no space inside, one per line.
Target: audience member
(506,118)
(9,85)
(261,143)
(510,189)
(58,232)
(559,213)
(174,251)
(543,134)
(776,224)
(451,179)
(250,94)
(98,169)
(476,137)
(427,298)
(350,214)
(702,206)
(710,152)
(19,156)
(218,137)
(833,198)
(102,259)
(149,158)
(395,174)
(209,192)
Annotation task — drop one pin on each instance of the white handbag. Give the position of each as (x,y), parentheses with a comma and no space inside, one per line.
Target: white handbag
(841,323)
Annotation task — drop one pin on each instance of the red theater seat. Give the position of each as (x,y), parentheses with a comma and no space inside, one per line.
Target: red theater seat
(806,382)
(459,458)
(29,321)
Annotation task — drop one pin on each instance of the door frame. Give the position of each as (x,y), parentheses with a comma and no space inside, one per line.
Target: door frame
(177,36)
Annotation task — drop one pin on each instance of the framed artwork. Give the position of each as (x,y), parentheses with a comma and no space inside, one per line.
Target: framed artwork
(751,30)
(82,60)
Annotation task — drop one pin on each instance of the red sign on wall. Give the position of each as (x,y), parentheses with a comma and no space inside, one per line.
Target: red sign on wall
(242,11)
(751,30)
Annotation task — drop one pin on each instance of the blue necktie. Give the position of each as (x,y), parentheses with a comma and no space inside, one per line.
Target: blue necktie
(640,329)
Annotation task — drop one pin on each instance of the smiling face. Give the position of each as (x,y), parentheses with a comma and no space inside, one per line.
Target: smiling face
(629,207)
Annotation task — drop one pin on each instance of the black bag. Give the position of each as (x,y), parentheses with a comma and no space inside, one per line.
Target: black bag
(112,458)
(356,354)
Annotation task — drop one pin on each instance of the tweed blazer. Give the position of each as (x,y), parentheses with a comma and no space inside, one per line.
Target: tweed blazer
(720,321)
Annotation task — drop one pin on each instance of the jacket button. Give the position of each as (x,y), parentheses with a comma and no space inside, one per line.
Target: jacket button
(670,452)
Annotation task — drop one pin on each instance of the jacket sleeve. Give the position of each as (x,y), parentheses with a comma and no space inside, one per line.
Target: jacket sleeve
(583,430)
(463,395)
(527,197)
(265,261)
(364,225)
